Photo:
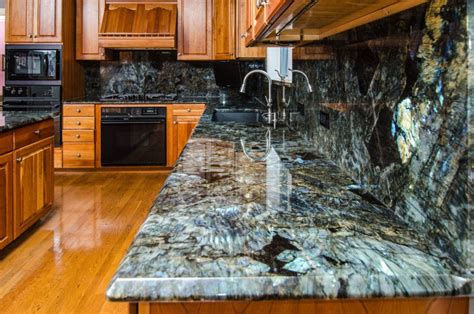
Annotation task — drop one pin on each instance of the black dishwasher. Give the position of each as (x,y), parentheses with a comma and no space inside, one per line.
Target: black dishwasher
(133,136)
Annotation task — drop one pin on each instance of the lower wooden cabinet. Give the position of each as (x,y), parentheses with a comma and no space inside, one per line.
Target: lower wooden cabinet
(79,155)
(33,181)
(184,120)
(6,199)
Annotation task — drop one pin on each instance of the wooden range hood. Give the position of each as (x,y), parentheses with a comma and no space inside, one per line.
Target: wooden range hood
(139,24)
(299,22)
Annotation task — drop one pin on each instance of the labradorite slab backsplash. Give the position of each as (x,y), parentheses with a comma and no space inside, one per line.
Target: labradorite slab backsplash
(404,132)
(139,72)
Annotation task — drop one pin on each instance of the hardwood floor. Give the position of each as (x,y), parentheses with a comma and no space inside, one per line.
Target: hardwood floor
(65,262)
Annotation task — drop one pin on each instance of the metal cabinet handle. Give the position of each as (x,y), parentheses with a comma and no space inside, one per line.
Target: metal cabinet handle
(78,122)
(78,155)
(19,159)
(244,35)
(180,54)
(37,132)
(78,136)
(175,122)
(78,110)
(30,36)
(189,110)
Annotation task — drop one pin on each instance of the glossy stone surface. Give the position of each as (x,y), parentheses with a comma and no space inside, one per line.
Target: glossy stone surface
(403,133)
(14,119)
(226,227)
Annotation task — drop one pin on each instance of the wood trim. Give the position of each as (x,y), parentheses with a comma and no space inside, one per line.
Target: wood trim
(6,166)
(6,142)
(169,136)
(432,305)
(98,134)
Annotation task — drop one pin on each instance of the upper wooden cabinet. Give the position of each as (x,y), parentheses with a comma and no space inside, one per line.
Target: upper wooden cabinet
(29,21)
(206,29)
(89,14)
(245,16)
(295,22)
(194,29)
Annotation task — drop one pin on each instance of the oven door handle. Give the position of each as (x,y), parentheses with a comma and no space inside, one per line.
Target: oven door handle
(132,122)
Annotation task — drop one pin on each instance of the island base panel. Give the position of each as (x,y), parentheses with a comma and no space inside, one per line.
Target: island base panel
(368,306)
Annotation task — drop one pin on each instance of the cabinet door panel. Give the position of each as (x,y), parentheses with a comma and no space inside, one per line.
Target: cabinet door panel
(245,19)
(184,129)
(195,30)
(48,21)
(6,199)
(19,21)
(224,30)
(33,180)
(89,14)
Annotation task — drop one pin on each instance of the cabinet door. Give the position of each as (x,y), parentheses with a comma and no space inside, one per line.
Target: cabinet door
(48,15)
(194,29)
(33,181)
(244,30)
(89,14)
(19,21)
(184,129)
(6,200)
(223,29)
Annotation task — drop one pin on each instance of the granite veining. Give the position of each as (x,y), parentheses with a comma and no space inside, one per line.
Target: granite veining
(404,135)
(225,227)
(15,119)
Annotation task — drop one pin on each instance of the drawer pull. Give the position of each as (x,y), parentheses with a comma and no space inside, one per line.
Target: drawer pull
(78,155)
(189,109)
(37,132)
(19,159)
(78,136)
(78,110)
(78,122)
(175,122)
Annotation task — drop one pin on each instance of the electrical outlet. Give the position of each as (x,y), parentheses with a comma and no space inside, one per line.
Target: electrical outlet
(324,119)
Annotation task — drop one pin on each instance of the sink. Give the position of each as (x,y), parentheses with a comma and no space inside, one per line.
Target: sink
(237,116)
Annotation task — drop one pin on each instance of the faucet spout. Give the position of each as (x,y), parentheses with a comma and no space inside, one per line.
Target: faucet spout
(308,85)
(269,79)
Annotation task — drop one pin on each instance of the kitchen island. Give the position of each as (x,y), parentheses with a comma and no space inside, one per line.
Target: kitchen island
(291,233)
(26,171)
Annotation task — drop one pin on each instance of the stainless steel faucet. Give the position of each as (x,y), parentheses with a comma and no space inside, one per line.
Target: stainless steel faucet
(308,86)
(271,116)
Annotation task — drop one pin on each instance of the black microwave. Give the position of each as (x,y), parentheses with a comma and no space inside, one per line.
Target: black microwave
(33,64)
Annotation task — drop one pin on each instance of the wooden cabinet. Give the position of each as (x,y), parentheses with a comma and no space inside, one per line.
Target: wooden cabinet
(79,136)
(194,29)
(33,181)
(89,14)
(6,199)
(29,21)
(245,16)
(206,29)
(185,119)
(297,22)
(26,178)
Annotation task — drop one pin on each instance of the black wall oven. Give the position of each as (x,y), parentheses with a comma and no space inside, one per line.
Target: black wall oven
(33,64)
(133,136)
(35,98)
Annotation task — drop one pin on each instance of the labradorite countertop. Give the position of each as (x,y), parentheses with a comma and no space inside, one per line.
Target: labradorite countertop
(15,119)
(178,100)
(294,226)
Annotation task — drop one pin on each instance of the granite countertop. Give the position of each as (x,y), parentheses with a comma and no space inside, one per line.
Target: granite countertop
(225,227)
(178,100)
(15,119)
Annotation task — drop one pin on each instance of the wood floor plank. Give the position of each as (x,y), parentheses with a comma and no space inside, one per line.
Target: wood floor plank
(64,264)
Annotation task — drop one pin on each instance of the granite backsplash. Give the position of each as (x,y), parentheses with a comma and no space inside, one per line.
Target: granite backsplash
(154,71)
(395,92)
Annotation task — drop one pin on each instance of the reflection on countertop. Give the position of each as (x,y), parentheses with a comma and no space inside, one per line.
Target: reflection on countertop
(14,119)
(225,227)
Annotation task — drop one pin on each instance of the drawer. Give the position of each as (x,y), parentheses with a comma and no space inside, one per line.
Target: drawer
(33,133)
(78,155)
(6,142)
(78,136)
(72,110)
(188,110)
(78,123)
(186,118)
